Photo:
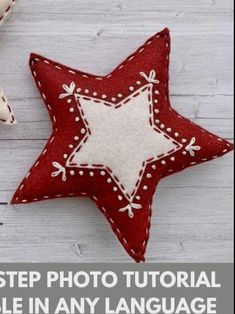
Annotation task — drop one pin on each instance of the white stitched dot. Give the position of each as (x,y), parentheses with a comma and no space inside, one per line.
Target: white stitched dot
(77,119)
(104,96)
(157,121)
(154,167)
(119,197)
(109,180)
(131,88)
(149,175)
(115,189)
(225,151)
(69,101)
(156,92)
(163,162)
(168,129)
(113,99)
(162,126)
(102,173)
(137,197)
(78,90)
(155,101)
(176,134)
(184,140)
(94,94)
(156,110)
(145,187)
(184,152)
(76,138)
(86,91)
(83,131)
(138,83)
(120,95)
(172,158)
(72,173)
(70,146)
(91,174)
(71,109)
(65,156)
(81,173)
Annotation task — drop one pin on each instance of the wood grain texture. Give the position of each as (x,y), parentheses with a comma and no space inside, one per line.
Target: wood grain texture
(192,211)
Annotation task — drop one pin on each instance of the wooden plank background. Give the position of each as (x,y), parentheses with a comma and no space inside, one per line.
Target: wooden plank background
(192,211)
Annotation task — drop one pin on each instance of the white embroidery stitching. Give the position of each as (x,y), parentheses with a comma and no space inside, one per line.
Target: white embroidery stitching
(151,78)
(129,208)
(61,170)
(192,148)
(69,90)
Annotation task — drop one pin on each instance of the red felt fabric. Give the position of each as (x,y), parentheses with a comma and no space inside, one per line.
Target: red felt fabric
(40,185)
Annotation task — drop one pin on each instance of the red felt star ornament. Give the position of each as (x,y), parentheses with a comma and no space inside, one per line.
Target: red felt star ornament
(114,137)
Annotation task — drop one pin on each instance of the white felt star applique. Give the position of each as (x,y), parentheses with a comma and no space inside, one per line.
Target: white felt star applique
(121,138)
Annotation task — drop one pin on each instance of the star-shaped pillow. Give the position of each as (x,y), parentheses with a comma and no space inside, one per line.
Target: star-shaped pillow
(114,137)
(6,113)
(5,8)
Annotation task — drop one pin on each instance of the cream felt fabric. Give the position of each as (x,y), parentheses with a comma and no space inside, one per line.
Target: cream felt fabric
(6,113)
(5,8)
(122,137)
